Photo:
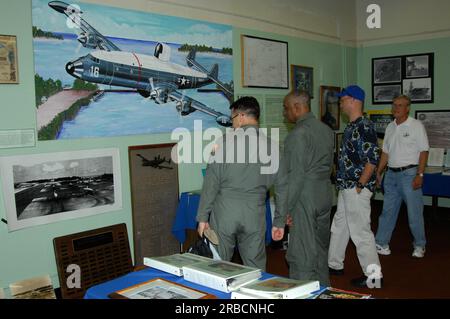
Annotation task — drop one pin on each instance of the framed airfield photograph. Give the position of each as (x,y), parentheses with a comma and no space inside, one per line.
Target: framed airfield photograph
(387,70)
(386,93)
(45,188)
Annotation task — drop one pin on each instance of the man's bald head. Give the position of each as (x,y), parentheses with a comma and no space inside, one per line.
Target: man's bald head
(296,104)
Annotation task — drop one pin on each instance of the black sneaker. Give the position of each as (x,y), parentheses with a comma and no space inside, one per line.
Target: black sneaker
(335,272)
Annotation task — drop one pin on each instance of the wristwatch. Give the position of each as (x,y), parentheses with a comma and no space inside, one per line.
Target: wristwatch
(420,174)
(359,185)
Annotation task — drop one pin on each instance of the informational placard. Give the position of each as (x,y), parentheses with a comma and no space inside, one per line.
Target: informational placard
(17,138)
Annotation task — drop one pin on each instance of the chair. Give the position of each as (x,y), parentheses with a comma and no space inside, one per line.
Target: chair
(102,254)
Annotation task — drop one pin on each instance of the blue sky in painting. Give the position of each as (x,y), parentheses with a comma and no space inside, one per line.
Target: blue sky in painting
(129,24)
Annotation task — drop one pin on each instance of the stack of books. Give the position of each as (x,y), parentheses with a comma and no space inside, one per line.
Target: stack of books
(220,275)
(277,288)
(173,264)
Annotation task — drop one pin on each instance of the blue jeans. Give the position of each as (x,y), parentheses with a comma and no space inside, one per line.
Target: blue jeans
(398,187)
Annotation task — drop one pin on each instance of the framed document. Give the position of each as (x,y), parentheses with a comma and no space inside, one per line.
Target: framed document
(264,63)
(8,59)
(159,288)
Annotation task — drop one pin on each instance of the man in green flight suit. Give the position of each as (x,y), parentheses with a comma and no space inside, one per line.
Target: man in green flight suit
(308,159)
(237,179)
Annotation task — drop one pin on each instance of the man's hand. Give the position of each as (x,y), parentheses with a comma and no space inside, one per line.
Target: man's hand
(201,227)
(379,179)
(289,220)
(417,182)
(277,233)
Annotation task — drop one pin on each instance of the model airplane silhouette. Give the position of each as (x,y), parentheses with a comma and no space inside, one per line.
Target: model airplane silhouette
(155,162)
(153,77)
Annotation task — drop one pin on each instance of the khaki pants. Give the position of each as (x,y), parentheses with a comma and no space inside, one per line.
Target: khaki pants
(352,220)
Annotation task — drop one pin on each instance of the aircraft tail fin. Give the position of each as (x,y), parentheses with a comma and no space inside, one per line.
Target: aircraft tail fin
(190,59)
(214,73)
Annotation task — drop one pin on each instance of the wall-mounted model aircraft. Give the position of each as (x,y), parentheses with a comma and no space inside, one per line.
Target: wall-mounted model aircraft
(155,162)
(153,77)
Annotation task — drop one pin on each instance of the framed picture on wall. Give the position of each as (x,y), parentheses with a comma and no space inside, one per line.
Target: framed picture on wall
(9,73)
(386,93)
(411,75)
(381,119)
(264,63)
(302,78)
(435,122)
(329,106)
(417,66)
(387,70)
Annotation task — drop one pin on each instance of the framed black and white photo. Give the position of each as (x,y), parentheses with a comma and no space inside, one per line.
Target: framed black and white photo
(418,89)
(386,93)
(264,63)
(436,124)
(380,119)
(411,75)
(46,188)
(387,70)
(417,66)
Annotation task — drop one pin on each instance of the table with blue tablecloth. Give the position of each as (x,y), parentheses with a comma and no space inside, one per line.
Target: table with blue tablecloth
(102,291)
(187,211)
(436,185)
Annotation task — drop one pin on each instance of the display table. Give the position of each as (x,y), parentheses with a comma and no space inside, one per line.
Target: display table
(187,211)
(436,185)
(102,291)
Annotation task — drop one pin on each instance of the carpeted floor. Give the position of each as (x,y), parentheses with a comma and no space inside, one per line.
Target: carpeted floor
(404,276)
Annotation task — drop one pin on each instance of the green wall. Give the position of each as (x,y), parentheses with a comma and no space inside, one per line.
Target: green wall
(29,252)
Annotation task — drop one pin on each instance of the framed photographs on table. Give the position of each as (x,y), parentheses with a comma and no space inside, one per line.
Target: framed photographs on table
(329,106)
(264,63)
(159,288)
(302,78)
(9,73)
(436,124)
(411,75)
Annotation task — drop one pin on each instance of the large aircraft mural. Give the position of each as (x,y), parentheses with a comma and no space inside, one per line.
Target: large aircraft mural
(154,77)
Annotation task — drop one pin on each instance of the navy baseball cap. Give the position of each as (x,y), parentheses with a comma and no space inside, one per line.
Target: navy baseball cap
(353,91)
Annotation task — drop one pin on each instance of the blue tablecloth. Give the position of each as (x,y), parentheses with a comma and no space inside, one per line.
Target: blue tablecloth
(187,211)
(102,291)
(436,185)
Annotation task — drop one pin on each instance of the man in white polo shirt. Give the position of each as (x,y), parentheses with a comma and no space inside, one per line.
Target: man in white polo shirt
(405,152)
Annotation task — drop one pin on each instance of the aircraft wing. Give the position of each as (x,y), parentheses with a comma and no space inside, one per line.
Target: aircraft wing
(187,105)
(89,37)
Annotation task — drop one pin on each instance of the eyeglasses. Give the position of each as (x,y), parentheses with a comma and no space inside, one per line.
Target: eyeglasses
(233,117)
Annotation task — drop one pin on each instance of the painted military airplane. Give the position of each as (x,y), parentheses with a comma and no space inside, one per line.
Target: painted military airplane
(155,162)
(153,77)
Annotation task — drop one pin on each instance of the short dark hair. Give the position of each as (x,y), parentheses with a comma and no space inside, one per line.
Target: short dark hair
(248,105)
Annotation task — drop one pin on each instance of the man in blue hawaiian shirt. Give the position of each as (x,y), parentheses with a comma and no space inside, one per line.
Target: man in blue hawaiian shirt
(356,180)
